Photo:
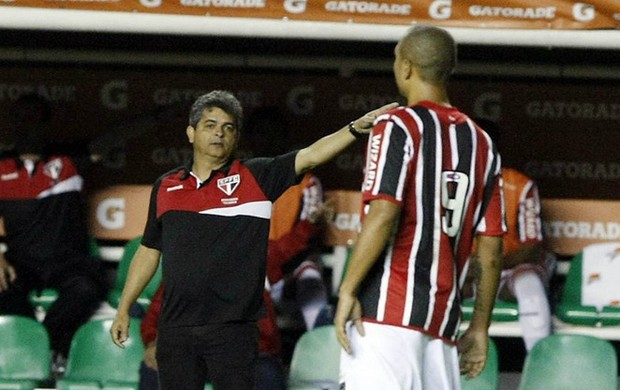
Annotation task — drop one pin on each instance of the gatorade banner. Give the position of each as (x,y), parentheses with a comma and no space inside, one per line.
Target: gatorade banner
(520,14)
(119,212)
(571,224)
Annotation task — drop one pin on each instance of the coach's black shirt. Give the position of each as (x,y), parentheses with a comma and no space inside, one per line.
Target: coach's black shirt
(213,238)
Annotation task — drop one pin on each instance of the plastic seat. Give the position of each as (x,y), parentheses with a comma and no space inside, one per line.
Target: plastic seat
(114,295)
(25,355)
(570,362)
(503,311)
(315,363)
(94,362)
(602,306)
(43,299)
(489,377)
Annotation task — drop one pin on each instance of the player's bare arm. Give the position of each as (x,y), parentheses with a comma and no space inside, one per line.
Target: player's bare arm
(376,232)
(474,343)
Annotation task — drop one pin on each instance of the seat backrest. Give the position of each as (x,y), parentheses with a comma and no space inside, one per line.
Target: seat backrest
(316,359)
(121,276)
(591,292)
(489,377)
(129,250)
(94,357)
(24,348)
(571,291)
(600,269)
(570,362)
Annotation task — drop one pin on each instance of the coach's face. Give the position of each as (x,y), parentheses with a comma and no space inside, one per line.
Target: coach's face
(215,136)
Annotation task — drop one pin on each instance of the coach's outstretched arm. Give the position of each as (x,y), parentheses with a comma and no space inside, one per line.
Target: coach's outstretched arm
(329,146)
(143,266)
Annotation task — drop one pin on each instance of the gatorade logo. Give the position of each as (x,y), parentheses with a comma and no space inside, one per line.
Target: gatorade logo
(111,213)
(295,6)
(488,105)
(440,9)
(584,12)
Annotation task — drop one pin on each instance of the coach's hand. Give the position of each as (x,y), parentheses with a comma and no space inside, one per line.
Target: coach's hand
(120,329)
(349,308)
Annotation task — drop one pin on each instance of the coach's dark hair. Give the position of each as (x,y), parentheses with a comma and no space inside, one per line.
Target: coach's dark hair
(224,100)
(432,50)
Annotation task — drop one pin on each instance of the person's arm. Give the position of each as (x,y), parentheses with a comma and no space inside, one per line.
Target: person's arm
(148,325)
(289,245)
(329,146)
(148,328)
(532,253)
(528,229)
(143,267)
(7,273)
(474,343)
(377,229)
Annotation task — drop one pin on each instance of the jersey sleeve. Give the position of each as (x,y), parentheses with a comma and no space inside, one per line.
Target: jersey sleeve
(275,175)
(389,151)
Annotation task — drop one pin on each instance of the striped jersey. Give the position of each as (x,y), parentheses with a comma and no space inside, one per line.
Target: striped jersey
(444,172)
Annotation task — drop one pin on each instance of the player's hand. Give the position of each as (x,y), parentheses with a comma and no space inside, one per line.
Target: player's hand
(349,308)
(473,347)
(364,124)
(7,273)
(120,329)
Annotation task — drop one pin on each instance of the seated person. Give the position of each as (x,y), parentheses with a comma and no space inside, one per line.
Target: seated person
(527,267)
(293,269)
(42,205)
(298,216)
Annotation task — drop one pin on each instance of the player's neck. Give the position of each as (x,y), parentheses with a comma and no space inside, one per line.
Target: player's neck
(422,91)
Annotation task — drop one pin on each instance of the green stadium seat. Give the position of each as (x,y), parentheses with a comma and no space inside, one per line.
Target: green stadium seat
(503,311)
(43,299)
(489,377)
(114,295)
(315,363)
(570,362)
(571,308)
(94,362)
(25,355)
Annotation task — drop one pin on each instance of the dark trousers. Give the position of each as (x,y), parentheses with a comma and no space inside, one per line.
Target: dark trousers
(224,354)
(80,291)
(269,375)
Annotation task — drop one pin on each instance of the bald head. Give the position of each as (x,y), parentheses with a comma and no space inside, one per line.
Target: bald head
(430,49)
